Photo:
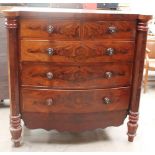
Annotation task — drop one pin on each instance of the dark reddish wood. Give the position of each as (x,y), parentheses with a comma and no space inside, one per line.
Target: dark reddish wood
(100,30)
(76,77)
(4,90)
(77,101)
(77,70)
(71,52)
(73,122)
(63,30)
(15,127)
(132,125)
(137,76)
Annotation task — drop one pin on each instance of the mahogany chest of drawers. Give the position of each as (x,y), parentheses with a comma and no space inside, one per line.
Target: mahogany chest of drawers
(74,70)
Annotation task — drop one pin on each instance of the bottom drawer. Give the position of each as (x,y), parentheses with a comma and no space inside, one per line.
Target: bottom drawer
(74,101)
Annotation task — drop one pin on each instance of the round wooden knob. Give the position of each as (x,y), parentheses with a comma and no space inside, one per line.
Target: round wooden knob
(49,75)
(50,29)
(106,100)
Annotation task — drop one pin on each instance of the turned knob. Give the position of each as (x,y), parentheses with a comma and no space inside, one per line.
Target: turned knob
(50,51)
(112,29)
(49,101)
(108,75)
(109,51)
(106,100)
(50,29)
(49,75)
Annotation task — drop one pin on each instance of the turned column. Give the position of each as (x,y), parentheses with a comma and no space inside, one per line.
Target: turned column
(15,120)
(137,75)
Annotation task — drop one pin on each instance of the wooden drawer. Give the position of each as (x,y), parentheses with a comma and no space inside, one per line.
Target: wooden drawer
(56,29)
(85,51)
(76,76)
(109,30)
(74,101)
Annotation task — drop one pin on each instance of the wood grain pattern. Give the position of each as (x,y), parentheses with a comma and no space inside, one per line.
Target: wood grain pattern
(100,30)
(73,122)
(15,124)
(137,76)
(76,73)
(77,101)
(76,77)
(81,51)
(63,30)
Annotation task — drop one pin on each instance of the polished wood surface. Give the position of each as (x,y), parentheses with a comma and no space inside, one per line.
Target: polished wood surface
(101,30)
(74,122)
(77,101)
(80,51)
(77,76)
(60,30)
(65,78)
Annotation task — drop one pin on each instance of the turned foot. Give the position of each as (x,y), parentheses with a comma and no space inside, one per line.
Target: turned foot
(16,130)
(132,125)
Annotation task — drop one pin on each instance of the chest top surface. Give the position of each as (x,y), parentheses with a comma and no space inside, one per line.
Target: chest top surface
(76,13)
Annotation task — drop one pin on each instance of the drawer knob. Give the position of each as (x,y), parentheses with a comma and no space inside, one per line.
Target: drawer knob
(106,100)
(112,29)
(110,51)
(50,29)
(49,75)
(50,51)
(108,75)
(49,101)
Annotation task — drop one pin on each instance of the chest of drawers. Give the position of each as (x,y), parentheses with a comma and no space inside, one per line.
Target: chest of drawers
(74,70)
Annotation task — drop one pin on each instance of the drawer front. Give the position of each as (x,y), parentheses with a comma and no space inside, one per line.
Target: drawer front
(109,30)
(76,76)
(42,28)
(67,51)
(74,101)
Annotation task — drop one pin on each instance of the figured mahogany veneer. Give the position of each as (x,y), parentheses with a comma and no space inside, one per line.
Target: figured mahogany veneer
(103,30)
(74,101)
(103,75)
(75,70)
(80,51)
(60,29)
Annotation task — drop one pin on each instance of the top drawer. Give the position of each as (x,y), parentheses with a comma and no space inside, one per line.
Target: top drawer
(109,30)
(56,29)
(76,29)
